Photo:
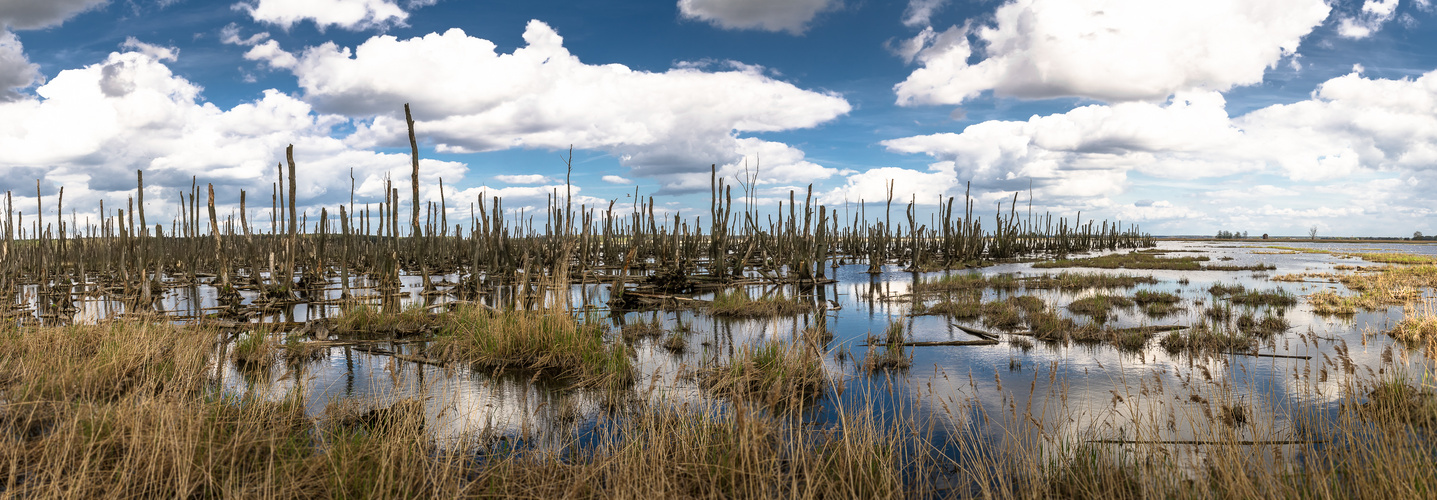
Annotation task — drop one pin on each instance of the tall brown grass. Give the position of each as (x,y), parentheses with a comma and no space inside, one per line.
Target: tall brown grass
(132,409)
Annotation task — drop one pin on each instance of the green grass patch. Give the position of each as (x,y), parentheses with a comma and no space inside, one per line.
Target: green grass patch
(965,282)
(962,307)
(1204,339)
(1145,297)
(1224,290)
(1078,281)
(1277,298)
(738,304)
(1002,315)
(1266,326)
(552,343)
(1131,260)
(1099,307)
(255,350)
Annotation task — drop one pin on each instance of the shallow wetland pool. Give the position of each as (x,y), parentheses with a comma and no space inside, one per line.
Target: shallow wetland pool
(1171,363)
(1020,391)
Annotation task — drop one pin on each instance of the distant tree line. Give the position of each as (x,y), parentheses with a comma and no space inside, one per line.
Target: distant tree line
(1417,235)
(1231,235)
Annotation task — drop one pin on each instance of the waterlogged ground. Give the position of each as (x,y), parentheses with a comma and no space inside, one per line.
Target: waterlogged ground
(1019,392)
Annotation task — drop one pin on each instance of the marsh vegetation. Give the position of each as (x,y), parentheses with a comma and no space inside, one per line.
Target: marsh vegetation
(621,351)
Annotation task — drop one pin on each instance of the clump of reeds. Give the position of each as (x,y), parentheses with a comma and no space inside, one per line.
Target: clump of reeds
(1234,414)
(892,356)
(960,308)
(1132,260)
(1028,304)
(1203,339)
(776,373)
(1224,290)
(1145,297)
(1277,298)
(1218,312)
(678,339)
(966,282)
(676,342)
(1050,326)
(545,341)
(296,350)
(368,320)
(1330,303)
(1239,267)
(640,328)
(1418,325)
(1387,286)
(738,303)
(1002,315)
(1100,306)
(1021,343)
(1156,304)
(1270,324)
(255,349)
(1076,281)
(1131,340)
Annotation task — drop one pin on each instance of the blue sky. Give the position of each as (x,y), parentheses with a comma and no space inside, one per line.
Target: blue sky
(1185,117)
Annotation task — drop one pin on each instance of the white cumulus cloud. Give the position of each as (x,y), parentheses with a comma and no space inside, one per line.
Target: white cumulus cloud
(1374,14)
(347,14)
(16,70)
(924,188)
(90,128)
(1379,131)
(792,16)
(466,97)
(1111,50)
(920,11)
(614,179)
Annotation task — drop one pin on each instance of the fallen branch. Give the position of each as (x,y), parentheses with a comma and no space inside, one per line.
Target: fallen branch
(663,297)
(977,333)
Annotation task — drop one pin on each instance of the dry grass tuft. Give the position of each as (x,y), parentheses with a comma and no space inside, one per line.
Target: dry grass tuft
(777,374)
(1203,339)
(1418,325)
(370,321)
(738,304)
(892,356)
